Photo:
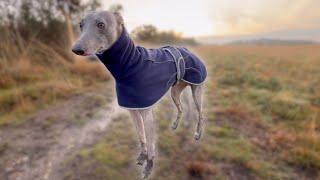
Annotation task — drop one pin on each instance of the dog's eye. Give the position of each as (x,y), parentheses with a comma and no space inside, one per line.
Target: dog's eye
(100,25)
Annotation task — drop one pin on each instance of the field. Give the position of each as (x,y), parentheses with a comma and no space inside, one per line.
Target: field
(262,109)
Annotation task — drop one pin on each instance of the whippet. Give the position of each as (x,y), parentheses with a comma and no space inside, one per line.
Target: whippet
(142,75)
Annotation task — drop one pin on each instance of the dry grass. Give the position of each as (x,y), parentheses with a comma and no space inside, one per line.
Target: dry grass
(34,75)
(279,85)
(90,68)
(199,169)
(262,121)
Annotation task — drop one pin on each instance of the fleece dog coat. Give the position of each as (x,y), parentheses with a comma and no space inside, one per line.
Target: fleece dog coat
(143,75)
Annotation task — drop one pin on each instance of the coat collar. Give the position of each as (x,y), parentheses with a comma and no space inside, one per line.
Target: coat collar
(121,56)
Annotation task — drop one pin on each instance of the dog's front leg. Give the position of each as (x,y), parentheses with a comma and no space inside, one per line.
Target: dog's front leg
(147,116)
(138,122)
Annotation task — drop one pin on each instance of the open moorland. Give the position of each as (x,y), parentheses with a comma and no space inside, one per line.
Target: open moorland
(262,109)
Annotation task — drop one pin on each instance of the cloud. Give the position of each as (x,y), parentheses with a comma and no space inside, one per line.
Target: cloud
(251,16)
(218,17)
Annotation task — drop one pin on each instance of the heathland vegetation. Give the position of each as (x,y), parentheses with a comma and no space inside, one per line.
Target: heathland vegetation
(262,122)
(36,64)
(262,105)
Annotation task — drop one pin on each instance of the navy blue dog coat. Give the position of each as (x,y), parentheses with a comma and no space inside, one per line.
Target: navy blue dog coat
(143,75)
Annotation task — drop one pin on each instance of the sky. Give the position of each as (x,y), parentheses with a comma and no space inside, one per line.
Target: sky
(221,17)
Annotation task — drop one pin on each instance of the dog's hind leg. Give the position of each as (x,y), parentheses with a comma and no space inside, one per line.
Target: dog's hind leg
(147,115)
(186,96)
(138,122)
(197,97)
(175,94)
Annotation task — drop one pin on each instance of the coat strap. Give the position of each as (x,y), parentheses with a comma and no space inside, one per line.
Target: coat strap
(178,59)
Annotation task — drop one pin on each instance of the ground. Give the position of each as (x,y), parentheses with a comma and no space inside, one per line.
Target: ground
(262,122)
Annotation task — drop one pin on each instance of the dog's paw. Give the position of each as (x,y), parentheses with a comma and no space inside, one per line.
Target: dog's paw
(197,136)
(148,169)
(174,126)
(142,157)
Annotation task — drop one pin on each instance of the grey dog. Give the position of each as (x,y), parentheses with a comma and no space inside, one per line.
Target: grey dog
(99,32)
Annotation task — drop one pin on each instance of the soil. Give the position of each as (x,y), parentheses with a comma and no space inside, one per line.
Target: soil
(37,148)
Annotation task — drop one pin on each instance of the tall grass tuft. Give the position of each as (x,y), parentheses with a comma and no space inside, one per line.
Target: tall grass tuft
(34,74)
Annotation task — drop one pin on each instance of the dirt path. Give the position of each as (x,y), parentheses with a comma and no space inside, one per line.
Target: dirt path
(36,148)
(39,147)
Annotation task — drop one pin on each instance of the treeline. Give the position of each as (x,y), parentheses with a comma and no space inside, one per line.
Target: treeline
(268,42)
(150,33)
(47,22)
(42,21)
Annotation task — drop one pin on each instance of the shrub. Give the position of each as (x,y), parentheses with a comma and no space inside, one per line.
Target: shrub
(250,79)
(305,158)
(231,79)
(287,110)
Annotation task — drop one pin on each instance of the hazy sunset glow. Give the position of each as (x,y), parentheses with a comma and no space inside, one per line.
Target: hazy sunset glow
(221,17)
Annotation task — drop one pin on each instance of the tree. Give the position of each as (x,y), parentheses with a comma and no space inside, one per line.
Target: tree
(116,8)
(150,33)
(47,21)
(145,32)
(67,7)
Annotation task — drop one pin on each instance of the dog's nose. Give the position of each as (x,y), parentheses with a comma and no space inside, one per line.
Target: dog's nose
(78,51)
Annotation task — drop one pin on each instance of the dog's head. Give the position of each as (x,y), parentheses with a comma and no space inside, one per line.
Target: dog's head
(99,31)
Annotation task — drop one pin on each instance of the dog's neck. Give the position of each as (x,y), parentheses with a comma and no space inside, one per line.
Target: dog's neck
(120,56)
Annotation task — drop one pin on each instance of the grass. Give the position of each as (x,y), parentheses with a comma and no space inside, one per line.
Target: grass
(278,84)
(111,158)
(34,75)
(262,108)
(178,155)
(262,122)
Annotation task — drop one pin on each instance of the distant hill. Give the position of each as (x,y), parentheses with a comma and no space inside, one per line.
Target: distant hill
(269,42)
(289,36)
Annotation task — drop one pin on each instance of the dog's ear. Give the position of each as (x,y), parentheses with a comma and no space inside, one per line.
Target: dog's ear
(118,18)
